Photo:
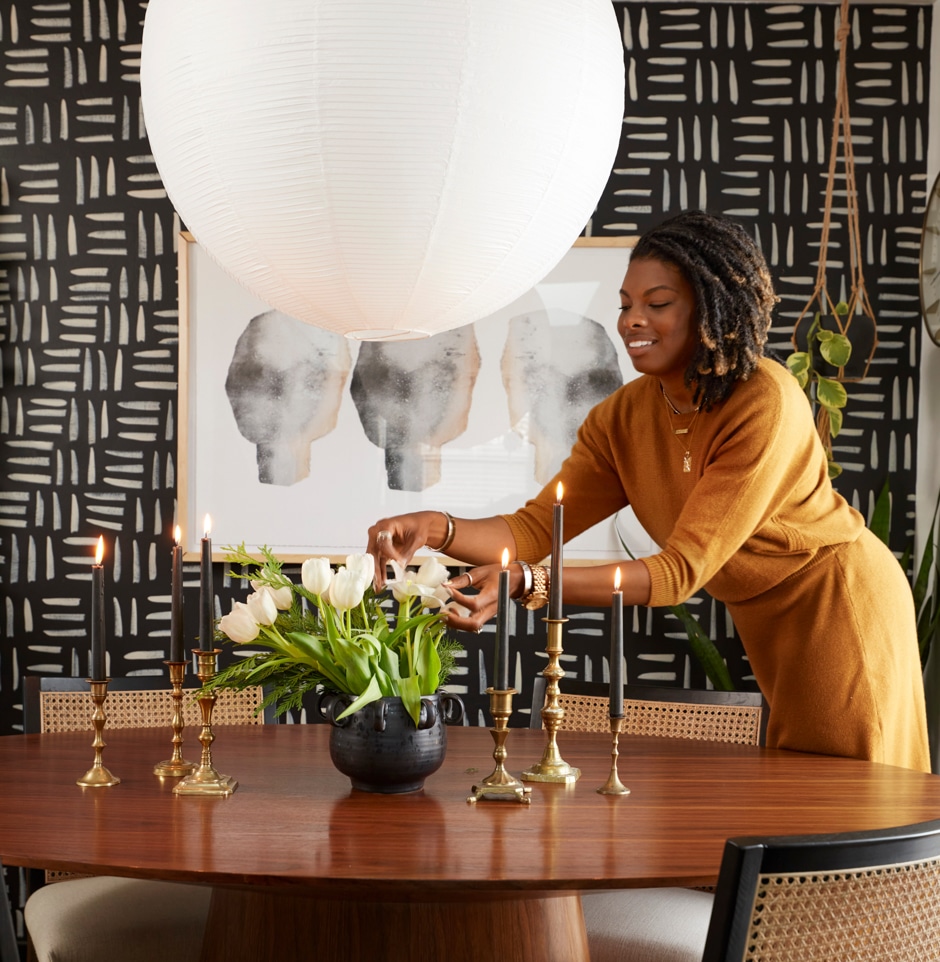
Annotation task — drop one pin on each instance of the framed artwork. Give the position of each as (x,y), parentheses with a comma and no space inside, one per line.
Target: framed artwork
(299,439)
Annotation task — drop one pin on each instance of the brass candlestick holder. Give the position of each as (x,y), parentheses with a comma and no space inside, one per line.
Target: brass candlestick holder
(552,767)
(98,776)
(176,765)
(206,780)
(613,785)
(500,784)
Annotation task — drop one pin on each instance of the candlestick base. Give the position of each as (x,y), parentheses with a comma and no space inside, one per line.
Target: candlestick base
(176,766)
(552,767)
(613,785)
(98,776)
(500,784)
(206,780)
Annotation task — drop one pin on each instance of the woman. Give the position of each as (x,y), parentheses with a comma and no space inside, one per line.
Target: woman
(716,450)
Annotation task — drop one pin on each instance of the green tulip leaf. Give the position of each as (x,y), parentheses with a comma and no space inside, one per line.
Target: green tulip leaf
(410,691)
(372,693)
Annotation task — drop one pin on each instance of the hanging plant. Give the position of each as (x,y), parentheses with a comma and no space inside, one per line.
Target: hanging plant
(837,345)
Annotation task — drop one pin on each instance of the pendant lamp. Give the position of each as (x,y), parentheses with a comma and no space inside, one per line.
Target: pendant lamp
(384,168)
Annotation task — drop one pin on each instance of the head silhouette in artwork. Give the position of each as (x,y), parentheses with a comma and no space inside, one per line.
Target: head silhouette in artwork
(412,397)
(285,384)
(556,366)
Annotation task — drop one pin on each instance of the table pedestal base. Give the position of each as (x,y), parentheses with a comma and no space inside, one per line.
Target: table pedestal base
(253,926)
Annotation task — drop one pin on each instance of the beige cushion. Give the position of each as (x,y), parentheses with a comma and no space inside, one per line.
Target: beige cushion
(647,925)
(105,918)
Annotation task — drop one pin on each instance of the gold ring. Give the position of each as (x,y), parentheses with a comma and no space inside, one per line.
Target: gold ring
(384,536)
(469,580)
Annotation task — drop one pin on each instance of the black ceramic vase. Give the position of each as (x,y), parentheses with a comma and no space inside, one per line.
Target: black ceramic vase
(380,749)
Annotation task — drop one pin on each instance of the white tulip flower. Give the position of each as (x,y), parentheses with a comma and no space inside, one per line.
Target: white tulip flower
(262,607)
(239,625)
(283,596)
(316,574)
(363,564)
(346,589)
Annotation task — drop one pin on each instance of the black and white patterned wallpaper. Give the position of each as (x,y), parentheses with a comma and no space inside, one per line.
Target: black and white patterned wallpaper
(728,107)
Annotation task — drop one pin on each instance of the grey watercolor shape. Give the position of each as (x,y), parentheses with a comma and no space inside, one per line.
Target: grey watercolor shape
(556,366)
(285,386)
(412,397)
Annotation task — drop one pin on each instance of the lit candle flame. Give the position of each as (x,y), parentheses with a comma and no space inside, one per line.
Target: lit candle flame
(559,492)
(207,526)
(617,580)
(99,553)
(177,534)
(505,558)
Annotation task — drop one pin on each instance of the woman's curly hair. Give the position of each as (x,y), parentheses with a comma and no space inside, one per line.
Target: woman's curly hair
(734,296)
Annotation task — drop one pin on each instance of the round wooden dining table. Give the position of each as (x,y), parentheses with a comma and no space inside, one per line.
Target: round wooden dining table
(305,867)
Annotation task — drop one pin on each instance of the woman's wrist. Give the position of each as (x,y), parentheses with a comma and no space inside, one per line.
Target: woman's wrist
(440,539)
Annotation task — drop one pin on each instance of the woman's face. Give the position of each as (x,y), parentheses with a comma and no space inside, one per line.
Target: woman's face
(658,321)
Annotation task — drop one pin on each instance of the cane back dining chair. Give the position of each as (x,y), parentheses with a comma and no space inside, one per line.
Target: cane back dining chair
(87,919)
(870,896)
(739,717)
(674,917)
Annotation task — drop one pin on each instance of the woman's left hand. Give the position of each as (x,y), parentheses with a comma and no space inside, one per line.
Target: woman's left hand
(481,606)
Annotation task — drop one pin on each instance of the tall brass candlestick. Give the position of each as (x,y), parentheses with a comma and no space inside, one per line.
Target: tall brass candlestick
(500,784)
(98,776)
(552,767)
(176,765)
(206,780)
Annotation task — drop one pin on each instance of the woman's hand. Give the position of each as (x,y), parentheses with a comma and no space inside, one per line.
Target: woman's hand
(398,538)
(481,605)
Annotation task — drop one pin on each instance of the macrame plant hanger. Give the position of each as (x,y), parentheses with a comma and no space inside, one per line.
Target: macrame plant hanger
(857,310)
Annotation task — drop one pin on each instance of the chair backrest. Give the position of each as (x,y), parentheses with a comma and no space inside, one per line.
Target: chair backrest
(739,717)
(56,704)
(867,896)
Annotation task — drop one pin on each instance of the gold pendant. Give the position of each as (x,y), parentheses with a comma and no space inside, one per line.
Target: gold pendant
(687,462)
(681,431)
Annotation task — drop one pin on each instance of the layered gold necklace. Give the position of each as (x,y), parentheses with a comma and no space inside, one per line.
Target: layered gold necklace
(682,435)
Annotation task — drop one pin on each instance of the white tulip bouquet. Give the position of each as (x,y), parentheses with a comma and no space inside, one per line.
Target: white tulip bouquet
(331,632)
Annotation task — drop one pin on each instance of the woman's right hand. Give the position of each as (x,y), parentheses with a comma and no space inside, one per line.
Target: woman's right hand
(398,538)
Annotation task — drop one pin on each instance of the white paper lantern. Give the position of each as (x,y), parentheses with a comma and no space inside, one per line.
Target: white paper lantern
(384,167)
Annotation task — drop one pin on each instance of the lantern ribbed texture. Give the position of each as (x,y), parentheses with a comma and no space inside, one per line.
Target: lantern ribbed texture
(384,166)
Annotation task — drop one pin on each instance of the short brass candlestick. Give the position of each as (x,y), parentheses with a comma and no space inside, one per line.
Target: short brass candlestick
(552,767)
(206,780)
(613,785)
(176,765)
(500,784)
(98,776)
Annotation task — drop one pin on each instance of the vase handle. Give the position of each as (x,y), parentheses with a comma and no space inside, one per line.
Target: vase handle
(379,715)
(452,709)
(428,715)
(329,705)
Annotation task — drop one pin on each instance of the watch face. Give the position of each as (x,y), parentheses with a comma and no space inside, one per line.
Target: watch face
(930,264)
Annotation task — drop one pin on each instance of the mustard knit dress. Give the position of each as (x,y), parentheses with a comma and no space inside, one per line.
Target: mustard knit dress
(821,606)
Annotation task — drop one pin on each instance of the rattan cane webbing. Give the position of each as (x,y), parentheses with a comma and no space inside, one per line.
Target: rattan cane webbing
(862,915)
(739,724)
(70,711)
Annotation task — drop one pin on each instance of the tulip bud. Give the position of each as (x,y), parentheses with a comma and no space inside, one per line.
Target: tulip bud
(316,574)
(239,625)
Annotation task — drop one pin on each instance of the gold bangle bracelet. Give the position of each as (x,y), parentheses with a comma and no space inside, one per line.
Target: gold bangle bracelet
(451,531)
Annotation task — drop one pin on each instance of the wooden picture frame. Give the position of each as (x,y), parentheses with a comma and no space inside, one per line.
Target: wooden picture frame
(488,467)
